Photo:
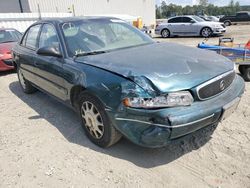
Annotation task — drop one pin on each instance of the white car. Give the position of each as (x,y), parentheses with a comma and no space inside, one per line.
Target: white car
(188,26)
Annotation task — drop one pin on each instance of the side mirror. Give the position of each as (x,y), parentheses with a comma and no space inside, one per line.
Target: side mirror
(49,51)
(192,21)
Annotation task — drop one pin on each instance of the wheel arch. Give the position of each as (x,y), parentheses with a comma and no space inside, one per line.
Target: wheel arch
(166,28)
(75,93)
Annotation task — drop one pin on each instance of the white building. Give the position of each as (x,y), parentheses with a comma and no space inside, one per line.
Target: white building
(138,8)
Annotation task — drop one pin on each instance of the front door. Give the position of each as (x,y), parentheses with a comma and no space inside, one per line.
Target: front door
(49,70)
(188,26)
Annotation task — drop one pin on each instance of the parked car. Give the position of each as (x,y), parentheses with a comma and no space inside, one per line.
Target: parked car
(212,19)
(188,26)
(122,83)
(8,38)
(240,17)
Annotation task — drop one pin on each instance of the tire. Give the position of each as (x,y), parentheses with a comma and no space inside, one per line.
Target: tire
(95,121)
(227,23)
(206,32)
(165,33)
(246,74)
(25,84)
(241,69)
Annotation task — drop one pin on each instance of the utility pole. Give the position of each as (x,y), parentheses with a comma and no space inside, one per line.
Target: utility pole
(20,5)
(39,12)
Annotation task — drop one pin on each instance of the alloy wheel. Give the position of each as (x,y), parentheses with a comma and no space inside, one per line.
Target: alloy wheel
(165,33)
(206,32)
(92,120)
(21,78)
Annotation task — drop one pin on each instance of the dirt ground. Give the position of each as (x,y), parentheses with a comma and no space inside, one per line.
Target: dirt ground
(42,144)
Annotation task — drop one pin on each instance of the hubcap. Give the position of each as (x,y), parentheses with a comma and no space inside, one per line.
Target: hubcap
(165,33)
(92,120)
(21,79)
(206,32)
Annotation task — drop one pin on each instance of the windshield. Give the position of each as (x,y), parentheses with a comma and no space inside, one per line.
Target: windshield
(198,19)
(9,35)
(93,35)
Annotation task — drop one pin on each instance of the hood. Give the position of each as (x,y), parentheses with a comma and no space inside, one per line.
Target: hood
(6,47)
(213,23)
(169,66)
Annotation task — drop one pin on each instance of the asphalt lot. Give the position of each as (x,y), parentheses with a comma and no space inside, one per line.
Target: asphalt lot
(42,144)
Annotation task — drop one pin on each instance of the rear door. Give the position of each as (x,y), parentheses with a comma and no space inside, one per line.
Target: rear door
(25,55)
(175,26)
(49,70)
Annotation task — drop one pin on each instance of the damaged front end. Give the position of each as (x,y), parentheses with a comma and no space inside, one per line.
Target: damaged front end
(138,115)
(151,118)
(143,94)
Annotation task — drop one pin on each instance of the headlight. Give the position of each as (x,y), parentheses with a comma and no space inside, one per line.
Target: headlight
(216,26)
(1,55)
(182,98)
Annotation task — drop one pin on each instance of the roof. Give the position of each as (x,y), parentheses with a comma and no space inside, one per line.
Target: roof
(70,19)
(3,28)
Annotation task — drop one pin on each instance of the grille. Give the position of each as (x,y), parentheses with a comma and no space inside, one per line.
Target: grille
(8,62)
(215,86)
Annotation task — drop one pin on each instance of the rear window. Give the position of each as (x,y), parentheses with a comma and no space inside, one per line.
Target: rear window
(9,35)
(30,39)
(175,20)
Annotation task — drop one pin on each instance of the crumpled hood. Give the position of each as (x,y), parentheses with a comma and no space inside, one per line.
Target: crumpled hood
(169,66)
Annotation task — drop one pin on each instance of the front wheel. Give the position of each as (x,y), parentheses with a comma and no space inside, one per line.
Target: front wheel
(246,73)
(25,84)
(95,121)
(227,23)
(206,32)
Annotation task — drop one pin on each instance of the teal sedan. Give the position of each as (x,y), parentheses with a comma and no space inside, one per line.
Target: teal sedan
(122,83)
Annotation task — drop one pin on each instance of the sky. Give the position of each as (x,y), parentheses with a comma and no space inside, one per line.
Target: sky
(193,2)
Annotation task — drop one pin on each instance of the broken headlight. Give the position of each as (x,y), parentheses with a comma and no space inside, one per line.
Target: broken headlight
(182,98)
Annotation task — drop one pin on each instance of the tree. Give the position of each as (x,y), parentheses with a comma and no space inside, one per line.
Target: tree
(237,6)
(165,11)
(203,3)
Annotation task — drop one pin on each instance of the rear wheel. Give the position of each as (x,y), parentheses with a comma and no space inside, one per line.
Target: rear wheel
(25,84)
(206,32)
(165,33)
(95,121)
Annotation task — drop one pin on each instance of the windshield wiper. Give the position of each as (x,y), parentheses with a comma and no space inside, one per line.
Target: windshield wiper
(89,53)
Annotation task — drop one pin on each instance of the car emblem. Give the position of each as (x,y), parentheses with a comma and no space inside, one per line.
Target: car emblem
(222,85)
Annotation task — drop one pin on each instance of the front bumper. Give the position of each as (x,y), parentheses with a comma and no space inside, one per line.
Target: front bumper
(156,128)
(6,64)
(219,30)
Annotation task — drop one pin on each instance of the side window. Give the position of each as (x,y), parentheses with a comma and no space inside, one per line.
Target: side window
(48,36)
(175,20)
(31,39)
(186,20)
(242,15)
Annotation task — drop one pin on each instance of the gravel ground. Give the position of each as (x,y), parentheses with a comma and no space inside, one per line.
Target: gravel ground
(42,144)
